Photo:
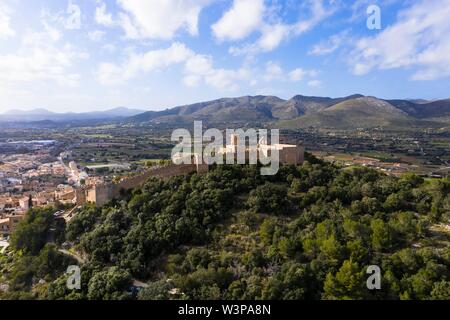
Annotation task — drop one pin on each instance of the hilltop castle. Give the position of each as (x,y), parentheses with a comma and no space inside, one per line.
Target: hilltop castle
(289,154)
(102,193)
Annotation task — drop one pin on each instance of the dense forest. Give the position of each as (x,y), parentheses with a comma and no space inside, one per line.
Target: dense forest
(310,232)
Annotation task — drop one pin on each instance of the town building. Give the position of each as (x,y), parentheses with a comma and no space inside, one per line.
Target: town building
(9,224)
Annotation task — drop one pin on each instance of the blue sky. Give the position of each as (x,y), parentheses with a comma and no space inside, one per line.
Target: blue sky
(85,55)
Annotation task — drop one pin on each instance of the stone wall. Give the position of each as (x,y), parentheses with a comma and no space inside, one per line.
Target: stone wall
(80,196)
(102,194)
(160,173)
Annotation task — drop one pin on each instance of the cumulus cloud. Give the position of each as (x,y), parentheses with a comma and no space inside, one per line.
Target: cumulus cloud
(297,74)
(112,74)
(155,19)
(5,20)
(197,68)
(243,18)
(271,37)
(273,31)
(420,39)
(274,72)
(42,57)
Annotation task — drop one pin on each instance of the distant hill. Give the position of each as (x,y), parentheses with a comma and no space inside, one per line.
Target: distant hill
(355,111)
(440,108)
(358,112)
(303,105)
(40,114)
(242,109)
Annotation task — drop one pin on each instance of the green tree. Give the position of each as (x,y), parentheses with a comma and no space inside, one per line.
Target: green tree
(269,198)
(110,284)
(441,291)
(348,283)
(381,235)
(32,232)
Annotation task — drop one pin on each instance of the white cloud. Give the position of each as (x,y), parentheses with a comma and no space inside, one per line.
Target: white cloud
(243,18)
(271,37)
(420,38)
(69,19)
(297,74)
(330,45)
(272,34)
(222,79)
(273,71)
(5,20)
(42,57)
(155,19)
(49,35)
(197,68)
(96,35)
(112,74)
(127,25)
(199,64)
(102,17)
(314,83)
(319,11)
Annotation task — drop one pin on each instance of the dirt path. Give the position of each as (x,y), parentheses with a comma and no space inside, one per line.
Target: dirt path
(79,259)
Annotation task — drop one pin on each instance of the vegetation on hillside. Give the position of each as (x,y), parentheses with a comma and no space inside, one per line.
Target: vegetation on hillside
(310,232)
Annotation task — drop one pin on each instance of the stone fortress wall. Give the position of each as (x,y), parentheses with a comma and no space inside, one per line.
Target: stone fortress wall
(103,193)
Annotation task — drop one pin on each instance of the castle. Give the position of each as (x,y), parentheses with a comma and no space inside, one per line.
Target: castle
(103,193)
(289,154)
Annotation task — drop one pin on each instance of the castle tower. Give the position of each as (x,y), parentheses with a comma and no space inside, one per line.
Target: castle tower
(80,196)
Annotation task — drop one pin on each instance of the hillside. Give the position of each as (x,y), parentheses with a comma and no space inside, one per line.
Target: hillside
(354,113)
(307,233)
(242,109)
(302,111)
(434,109)
(350,112)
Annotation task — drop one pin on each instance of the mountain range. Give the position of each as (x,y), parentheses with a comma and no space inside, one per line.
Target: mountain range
(355,111)
(41,114)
